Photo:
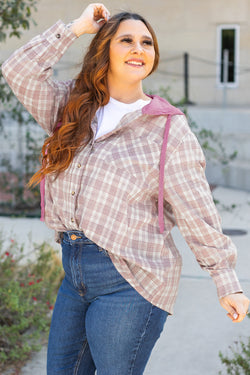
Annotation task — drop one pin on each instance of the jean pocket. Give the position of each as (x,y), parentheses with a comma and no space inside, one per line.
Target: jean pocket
(66,257)
(103,251)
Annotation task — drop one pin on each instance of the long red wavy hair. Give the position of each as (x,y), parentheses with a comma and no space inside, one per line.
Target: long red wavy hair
(89,93)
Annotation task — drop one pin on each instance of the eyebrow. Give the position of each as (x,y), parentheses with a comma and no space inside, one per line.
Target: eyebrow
(131,36)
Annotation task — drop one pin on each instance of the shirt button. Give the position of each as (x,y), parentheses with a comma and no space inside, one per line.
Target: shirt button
(58,36)
(73,193)
(72,220)
(79,165)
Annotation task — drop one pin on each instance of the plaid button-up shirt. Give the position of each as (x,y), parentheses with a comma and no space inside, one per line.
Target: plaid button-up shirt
(110,191)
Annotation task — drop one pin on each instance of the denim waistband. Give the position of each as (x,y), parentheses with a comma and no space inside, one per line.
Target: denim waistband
(74,236)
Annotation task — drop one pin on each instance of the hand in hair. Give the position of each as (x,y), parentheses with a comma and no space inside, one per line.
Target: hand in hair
(90,21)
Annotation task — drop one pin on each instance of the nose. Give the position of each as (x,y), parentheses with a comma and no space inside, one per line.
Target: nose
(137,48)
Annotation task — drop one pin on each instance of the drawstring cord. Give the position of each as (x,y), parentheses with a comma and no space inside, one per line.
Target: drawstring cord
(161,175)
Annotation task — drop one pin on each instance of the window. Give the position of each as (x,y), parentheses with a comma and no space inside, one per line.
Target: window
(228,55)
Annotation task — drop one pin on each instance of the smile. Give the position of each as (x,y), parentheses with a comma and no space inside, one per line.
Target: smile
(136,63)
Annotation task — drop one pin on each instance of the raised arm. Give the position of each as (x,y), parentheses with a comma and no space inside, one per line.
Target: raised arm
(28,71)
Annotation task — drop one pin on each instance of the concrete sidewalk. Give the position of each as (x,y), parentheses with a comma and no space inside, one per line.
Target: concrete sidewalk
(199,328)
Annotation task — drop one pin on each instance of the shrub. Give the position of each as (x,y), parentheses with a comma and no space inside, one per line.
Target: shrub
(27,294)
(239,363)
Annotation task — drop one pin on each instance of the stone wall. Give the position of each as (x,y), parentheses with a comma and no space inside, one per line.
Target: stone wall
(233,127)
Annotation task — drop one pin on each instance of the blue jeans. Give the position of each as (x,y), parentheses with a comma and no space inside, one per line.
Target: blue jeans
(100,323)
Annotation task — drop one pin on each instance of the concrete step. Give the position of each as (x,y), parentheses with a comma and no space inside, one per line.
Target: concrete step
(236,175)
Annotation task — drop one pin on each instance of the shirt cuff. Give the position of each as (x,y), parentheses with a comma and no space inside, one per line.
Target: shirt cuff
(226,282)
(59,34)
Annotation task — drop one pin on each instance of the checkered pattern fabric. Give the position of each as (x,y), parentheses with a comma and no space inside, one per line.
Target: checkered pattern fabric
(110,191)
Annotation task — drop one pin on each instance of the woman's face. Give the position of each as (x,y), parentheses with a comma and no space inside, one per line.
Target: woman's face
(131,54)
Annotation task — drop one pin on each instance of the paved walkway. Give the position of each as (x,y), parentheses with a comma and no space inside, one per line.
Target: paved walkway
(199,329)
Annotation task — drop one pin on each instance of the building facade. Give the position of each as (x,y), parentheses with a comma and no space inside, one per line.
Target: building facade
(211,37)
(203,30)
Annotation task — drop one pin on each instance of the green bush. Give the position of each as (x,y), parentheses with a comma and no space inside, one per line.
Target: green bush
(27,294)
(239,362)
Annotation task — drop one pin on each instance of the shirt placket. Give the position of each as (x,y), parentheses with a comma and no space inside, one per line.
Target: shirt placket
(79,165)
(81,160)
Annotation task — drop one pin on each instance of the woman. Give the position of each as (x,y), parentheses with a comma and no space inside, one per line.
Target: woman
(107,174)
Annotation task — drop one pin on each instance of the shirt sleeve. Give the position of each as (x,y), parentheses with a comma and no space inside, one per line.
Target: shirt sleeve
(188,192)
(28,72)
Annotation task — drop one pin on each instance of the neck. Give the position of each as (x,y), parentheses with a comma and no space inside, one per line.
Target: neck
(126,93)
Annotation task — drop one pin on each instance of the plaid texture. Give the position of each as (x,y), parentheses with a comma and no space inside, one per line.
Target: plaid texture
(110,190)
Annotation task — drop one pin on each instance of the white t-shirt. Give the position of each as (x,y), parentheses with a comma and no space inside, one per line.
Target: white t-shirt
(109,115)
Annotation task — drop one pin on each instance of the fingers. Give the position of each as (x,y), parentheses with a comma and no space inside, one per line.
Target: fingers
(91,20)
(100,12)
(232,313)
(236,305)
(242,310)
(231,317)
(236,318)
(239,318)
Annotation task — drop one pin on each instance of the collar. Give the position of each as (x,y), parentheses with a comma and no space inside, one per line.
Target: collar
(159,106)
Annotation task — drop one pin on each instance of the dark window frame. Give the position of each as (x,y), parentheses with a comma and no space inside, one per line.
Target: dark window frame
(233,71)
